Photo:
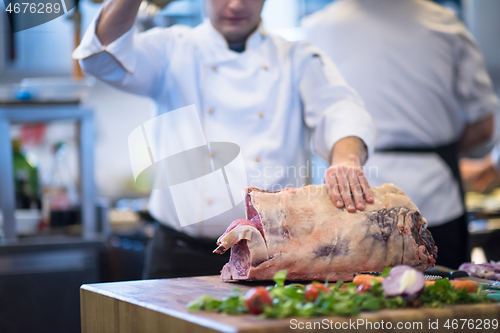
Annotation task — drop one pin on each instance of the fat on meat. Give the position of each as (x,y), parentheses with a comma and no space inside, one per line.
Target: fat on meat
(300,230)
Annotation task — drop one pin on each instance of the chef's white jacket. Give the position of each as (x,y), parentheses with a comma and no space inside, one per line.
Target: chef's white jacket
(422,78)
(267,100)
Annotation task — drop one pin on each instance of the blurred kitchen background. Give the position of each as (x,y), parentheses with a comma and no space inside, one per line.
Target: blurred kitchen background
(71,211)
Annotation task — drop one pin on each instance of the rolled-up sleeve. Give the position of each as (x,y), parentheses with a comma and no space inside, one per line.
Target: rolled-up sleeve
(474,89)
(332,109)
(132,63)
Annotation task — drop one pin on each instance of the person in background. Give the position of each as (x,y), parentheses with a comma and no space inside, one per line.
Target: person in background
(251,88)
(424,81)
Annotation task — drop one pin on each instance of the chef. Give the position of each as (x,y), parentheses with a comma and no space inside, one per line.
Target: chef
(251,88)
(424,81)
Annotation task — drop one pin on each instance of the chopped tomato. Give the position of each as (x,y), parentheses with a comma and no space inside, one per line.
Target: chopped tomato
(364,287)
(255,299)
(314,290)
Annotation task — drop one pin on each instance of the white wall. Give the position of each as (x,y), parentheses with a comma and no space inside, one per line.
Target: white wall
(116,115)
(483,20)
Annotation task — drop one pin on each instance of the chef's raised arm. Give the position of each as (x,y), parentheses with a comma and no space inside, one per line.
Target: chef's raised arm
(344,132)
(111,51)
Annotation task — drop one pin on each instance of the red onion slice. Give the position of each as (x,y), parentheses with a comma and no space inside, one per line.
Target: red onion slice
(404,281)
(490,271)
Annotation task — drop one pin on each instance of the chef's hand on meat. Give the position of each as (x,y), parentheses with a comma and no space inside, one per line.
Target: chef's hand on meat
(345,180)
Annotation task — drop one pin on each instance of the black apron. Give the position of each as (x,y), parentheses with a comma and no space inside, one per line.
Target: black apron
(448,153)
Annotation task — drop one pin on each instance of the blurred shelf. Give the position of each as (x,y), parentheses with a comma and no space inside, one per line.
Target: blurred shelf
(47,112)
(15,102)
(39,243)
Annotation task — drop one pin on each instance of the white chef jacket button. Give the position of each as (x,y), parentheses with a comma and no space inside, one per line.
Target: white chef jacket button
(261,114)
(211,154)
(211,110)
(265,67)
(257,159)
(209,201)
(214,67)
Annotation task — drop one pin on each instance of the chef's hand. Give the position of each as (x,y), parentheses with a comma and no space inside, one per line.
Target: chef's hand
(479,175)
(345,179)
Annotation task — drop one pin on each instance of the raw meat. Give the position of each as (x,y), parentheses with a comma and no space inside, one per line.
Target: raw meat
(300,230)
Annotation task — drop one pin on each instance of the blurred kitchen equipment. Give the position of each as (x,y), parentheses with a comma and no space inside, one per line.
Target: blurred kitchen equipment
(15,111)
(59,89)
(185,12)
(146,15)
(60,197)
(163,13)
(27,221)
(25,179)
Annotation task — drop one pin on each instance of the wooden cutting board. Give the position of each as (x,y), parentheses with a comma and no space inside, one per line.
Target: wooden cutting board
(152,306)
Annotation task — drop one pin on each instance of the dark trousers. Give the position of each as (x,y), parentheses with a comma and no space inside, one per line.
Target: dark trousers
(171,254)
(452,240)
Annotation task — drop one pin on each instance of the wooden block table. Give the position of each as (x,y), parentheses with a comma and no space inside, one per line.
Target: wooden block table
(152,306)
